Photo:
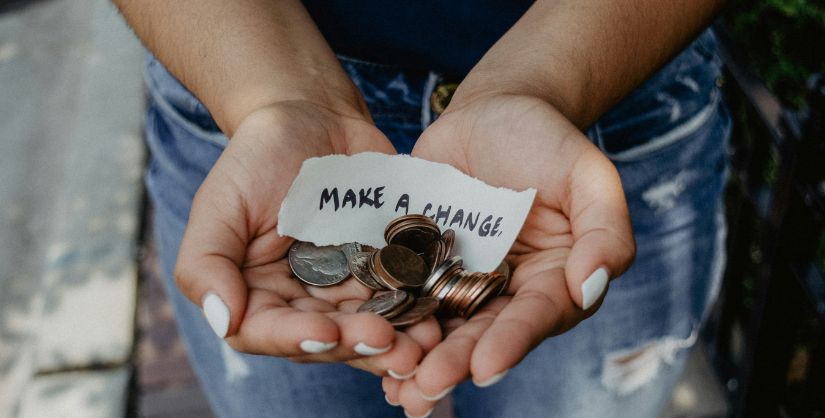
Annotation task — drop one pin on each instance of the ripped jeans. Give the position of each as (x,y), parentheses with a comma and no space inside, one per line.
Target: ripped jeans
(668,141)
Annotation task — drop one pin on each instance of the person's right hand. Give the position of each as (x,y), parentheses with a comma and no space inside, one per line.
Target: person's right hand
(232,261)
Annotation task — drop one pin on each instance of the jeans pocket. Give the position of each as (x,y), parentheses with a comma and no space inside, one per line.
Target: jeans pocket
(645,138)
(671,181)
(170,97)
(706,46)
(679,94)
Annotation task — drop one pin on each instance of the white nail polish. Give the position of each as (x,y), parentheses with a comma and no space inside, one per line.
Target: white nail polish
(366,350)
(315,347)
(426,414)
(593,287)
(492,380)
(390,402)
(439,396)
(400,376)
(217,314)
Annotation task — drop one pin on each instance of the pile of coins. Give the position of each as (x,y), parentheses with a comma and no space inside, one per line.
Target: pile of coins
(461,292)
(414,273)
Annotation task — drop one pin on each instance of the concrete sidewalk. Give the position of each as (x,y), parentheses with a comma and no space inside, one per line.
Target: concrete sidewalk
(71,158)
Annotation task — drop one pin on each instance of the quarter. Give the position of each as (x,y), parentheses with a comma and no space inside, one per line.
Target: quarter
(318,266)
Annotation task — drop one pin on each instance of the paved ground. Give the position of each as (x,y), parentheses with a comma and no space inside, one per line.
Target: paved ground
(71,246)
(70,164)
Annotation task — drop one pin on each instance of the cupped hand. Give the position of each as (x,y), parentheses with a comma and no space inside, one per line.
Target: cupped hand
(232,260)
(576,235)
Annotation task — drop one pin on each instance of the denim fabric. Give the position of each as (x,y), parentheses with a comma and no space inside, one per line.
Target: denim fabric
(668,141)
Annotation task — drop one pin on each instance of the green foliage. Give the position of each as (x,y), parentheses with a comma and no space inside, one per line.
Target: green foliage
(785,40)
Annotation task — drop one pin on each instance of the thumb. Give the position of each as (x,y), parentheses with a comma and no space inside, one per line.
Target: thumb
(211,253)
(603,244)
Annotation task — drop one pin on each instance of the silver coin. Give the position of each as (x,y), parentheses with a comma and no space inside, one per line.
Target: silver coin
(350,249)
(359,267)
(386,303)
(318,266)
(439,271)
(448,287)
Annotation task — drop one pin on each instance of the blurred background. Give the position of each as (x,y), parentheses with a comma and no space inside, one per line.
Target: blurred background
(85,329)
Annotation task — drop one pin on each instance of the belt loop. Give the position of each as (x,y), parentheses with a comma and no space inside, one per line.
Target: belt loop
(426,110)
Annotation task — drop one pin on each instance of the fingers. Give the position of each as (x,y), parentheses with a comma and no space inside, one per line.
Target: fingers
(273,327)
(364,334)
(442,368)
(309,330)
(426,333)
(540,308)
(207,270)
(392,388)
(493,341)
(400,362)
(409,395)
(603,244)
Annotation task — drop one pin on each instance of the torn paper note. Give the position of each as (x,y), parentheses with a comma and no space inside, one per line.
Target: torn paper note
(337,199)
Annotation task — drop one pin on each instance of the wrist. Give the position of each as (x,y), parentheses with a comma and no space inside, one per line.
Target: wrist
(563,94)
(345,101)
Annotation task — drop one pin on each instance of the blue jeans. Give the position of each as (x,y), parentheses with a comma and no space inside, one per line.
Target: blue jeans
(668,141)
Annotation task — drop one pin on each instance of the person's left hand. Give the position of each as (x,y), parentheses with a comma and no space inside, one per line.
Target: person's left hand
(577,233)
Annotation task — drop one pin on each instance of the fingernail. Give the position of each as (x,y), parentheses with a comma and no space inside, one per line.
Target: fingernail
(439,396)
(390,402)
(366,350)
(492,380)
(593,287)
(315,347)
(400,376)
(217,314)
(426,414)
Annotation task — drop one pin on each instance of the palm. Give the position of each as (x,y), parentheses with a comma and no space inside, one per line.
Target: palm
(520,142)
(232,234)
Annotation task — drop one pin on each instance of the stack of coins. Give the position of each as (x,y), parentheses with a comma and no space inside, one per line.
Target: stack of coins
(415,268)
(460,292)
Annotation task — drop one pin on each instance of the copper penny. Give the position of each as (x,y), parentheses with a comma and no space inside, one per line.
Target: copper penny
(448,238)
(378,273)
(434,254)
(399,223)
(421,310)
(415,238)
(485,296)
(403,267)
